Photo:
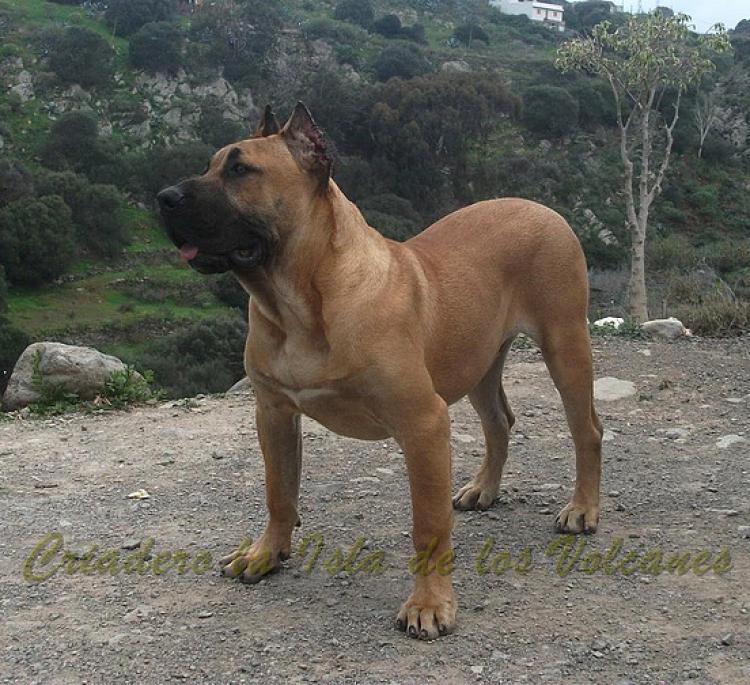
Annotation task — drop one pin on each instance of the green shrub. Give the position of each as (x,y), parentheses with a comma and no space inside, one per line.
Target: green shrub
(125,17)
(388,26)
(466,34)
(206,357)
(673,251)
(15,182)
(78,55)
(97,212)
(12,343)
(217,131)
(337,32)
(226,289)
(355,11)
(550,111)
(157,47)
(36,240)
(393,216)
(74,144)
(159,167)
(718,317)
(400,61)
(727,256)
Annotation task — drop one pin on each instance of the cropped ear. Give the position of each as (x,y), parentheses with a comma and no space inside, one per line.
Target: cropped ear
(307,143)
(269,124)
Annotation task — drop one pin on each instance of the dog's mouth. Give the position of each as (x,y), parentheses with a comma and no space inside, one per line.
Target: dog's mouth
(241,258)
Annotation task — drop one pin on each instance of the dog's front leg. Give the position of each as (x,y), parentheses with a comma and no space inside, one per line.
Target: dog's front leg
(431,609)
(281,443)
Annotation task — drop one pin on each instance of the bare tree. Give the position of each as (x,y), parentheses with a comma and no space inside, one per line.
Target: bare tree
(705,115)
(649,63)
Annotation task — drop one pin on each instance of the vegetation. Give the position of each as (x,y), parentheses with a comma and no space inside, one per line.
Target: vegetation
(431,105)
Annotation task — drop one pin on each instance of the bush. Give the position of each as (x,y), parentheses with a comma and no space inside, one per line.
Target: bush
(205,357)
(72,143)
(96,212)
(673,251)
(36,240)
(550,111)
(400,61)
(15,182)
(78,55)
(226,289)
(388,26)
(157,47)
(12,343)
(125,17)
(720,318)
(355,11)
(392,215)
(160,167)
(217,131)
(338,32)
(467,33)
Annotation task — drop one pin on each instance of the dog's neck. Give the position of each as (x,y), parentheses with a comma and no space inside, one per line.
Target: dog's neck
(332,252)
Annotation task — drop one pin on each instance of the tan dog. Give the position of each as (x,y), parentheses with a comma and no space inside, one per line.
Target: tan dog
(374,338)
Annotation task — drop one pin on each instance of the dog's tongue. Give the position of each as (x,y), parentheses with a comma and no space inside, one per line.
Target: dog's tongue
(188,252)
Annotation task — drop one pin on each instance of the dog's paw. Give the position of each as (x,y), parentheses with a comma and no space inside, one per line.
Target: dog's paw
(250,564)
(430,611)
(576,518)
(475,495)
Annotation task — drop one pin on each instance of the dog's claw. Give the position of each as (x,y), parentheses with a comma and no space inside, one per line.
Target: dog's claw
(577,519)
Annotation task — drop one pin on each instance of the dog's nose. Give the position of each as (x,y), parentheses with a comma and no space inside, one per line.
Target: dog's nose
(170,199)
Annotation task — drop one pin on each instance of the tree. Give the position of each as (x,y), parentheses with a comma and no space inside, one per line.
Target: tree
(466,33)
(649,63)
(36,240)
(388,26)
(156,47)
(705,115)
(78,55)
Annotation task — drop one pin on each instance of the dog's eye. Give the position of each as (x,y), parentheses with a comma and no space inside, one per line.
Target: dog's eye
(240,169)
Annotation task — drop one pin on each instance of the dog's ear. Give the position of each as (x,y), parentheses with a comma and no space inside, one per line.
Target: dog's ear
(269,124)
(307,143)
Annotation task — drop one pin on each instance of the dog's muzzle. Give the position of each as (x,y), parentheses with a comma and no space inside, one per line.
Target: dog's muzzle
(210,235)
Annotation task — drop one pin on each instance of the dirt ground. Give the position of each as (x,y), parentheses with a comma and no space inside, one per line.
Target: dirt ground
(672,482)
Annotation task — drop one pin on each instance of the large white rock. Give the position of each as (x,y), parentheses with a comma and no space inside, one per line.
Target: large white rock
(726,441)
(609,322)
(667,329)
(80,370)
(610,389)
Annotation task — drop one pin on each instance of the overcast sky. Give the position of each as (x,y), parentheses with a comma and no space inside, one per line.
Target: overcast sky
(705,14)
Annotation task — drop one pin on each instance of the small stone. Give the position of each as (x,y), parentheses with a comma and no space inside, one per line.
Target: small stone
(727,441)
(610,389)
(744,531)
(139,494)
(727,640)
(613,493)
(477,670)
(205,614)
(131,544)
(464,438)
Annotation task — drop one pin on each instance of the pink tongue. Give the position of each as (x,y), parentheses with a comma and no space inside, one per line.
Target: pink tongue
(188,252)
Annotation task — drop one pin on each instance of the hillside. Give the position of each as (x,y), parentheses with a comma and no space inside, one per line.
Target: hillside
(432,105)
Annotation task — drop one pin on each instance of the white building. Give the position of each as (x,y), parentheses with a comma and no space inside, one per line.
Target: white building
(548,13)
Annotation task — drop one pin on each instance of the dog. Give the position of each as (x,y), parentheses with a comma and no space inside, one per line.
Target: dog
(375,339)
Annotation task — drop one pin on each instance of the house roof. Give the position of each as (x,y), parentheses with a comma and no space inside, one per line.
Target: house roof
(547,6)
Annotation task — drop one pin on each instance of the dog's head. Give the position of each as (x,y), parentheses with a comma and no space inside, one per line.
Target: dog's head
(238,213)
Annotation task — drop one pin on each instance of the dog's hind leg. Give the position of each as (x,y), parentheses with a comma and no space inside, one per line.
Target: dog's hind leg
(567,353)
(490,402)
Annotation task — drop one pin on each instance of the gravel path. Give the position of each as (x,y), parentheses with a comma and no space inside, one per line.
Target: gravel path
(675,480)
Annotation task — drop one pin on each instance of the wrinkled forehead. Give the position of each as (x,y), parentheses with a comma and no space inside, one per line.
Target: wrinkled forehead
(252,151)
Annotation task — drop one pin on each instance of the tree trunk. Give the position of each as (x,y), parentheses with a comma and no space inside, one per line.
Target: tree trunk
(637,298)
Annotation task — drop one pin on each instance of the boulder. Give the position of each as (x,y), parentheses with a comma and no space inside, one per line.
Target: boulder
(666,329)
(456,66)
(241,386)
(610,389)
(80,370)
(609,322)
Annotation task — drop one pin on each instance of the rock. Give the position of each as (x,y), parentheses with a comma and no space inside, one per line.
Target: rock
(675,433)
(130,545)
(744,531)
(666,329)
(25,86)
(610,389)
(464,438)
(456,66)
(79,370)
(241,387)
(727,640)
(727,441)
(609,322)
(139,494)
